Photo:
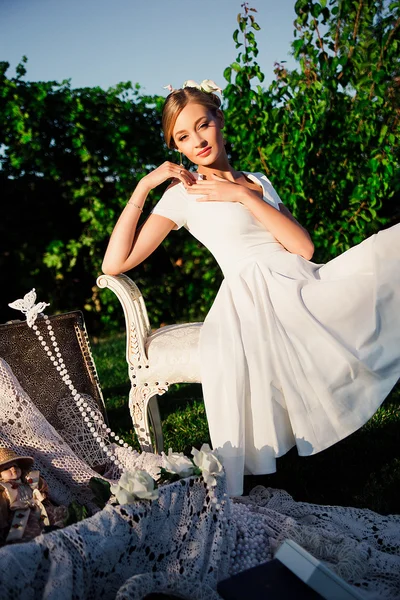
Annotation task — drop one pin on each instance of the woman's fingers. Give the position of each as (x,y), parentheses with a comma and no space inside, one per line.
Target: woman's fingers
(203,186)
(169,171)
(184,175)
(194,190)
(205,194)
(174,171)
(216,190)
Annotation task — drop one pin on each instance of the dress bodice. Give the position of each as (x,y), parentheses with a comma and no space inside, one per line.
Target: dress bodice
(228,229)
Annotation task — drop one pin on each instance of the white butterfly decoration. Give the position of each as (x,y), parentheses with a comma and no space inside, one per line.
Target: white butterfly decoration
(28,307)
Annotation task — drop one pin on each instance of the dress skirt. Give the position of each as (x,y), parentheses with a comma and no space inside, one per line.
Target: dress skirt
(298,353)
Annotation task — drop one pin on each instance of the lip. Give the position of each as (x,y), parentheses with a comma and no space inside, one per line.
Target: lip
(205,152)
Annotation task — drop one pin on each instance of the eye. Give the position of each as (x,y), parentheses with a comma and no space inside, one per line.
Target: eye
(182,138)
(203,125)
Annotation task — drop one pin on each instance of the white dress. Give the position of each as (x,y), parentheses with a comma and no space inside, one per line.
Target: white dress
(292,352)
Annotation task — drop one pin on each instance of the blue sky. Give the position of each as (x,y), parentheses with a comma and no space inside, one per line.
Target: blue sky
(150,42)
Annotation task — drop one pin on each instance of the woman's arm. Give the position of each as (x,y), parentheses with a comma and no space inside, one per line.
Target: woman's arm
(128,245)
(280,223)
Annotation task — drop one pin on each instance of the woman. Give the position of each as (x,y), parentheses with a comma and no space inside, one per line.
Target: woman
(292,352)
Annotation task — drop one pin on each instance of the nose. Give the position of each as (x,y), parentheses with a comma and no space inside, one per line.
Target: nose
(199,141)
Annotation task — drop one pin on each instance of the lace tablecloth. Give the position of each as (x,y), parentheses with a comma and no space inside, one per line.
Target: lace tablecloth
(174,543)
(189,539)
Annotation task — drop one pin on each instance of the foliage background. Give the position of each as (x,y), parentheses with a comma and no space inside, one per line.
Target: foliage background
(326,134)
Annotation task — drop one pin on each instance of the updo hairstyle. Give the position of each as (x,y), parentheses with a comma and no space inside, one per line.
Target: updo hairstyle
(176,102)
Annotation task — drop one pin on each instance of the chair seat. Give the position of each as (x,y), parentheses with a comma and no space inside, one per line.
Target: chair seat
(173,354)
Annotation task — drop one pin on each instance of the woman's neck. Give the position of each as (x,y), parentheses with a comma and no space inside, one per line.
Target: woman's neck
(222,169)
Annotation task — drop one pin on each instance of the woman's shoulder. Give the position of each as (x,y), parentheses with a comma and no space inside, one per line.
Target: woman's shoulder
(175,189)
(270,193)
(173,204)
(257,175)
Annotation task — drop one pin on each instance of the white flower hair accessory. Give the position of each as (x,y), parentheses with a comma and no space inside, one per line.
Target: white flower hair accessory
(207,85)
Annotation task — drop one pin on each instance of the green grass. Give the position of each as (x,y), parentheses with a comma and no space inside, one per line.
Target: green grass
(362,470)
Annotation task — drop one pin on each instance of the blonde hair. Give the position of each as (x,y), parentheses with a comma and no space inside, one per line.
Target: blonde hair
(176,102)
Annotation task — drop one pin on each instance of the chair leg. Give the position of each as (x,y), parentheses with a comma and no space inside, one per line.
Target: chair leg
(139,398)
(155,420)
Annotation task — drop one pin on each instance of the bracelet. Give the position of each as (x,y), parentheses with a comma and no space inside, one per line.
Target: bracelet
(136,206)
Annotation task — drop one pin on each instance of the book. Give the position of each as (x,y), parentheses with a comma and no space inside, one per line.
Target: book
(315,573)
(293,573)
(271,580)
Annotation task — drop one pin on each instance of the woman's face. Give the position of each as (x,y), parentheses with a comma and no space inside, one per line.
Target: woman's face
(13,472)
(197,134)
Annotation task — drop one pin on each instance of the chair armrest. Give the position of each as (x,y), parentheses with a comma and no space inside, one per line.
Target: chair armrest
(135,313)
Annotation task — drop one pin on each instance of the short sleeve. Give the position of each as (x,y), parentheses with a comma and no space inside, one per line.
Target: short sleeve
(173,205)
(270,194)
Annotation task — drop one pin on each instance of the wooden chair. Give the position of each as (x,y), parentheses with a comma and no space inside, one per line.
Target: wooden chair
(156,359)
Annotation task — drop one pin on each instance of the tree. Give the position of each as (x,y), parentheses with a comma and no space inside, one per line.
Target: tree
(326,133)
(70,159)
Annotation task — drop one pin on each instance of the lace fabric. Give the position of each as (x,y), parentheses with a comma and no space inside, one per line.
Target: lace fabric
(24,430)
(183,543)
(360,545)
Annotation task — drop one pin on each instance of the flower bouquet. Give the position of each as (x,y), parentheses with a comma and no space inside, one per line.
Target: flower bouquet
(137,485)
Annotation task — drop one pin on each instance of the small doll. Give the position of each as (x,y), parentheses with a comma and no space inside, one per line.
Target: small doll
(25,510)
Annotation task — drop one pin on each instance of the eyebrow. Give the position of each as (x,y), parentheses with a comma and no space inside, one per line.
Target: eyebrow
(182,130)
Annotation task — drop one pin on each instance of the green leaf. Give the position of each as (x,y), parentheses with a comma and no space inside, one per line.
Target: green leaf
(316,10)
(298,45)
(382,133)
(374,164)
(228,74)
(20,68)
(75,512)
(167,476)
(300,5)
(101,491)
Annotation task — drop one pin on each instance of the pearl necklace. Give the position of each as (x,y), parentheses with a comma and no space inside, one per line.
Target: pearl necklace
(83,407)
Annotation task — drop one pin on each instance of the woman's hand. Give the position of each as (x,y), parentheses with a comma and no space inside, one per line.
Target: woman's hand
(218,189)
(168,170)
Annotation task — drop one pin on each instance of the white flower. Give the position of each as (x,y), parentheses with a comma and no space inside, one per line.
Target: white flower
(134,485)
(208,463)
(178,463)
(208,85)
(191,83)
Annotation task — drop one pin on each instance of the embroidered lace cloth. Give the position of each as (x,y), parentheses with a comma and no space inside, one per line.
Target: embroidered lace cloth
(183,543)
